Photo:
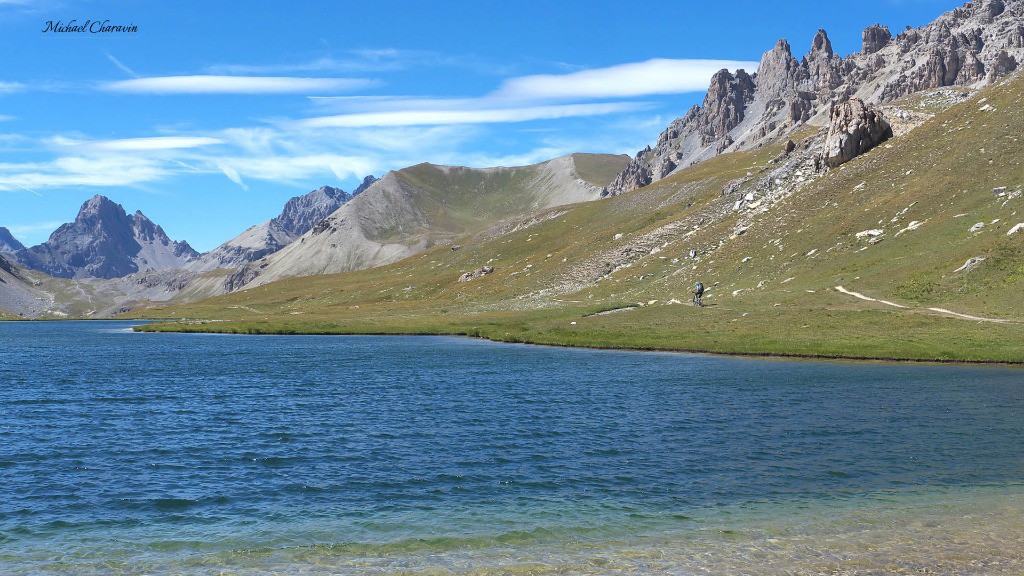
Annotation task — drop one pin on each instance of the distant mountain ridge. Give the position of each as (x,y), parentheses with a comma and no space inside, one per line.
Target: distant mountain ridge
(970,45)
(105,242)
(8,243)
(412,209)
(298,216)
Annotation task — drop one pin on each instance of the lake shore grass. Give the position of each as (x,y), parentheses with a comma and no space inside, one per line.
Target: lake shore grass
(854,334)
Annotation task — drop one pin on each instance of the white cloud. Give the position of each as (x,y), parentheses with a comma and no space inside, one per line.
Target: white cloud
(202,84)
(7,118)
(360,60)
(232,175)
(369,134)
(11,87)
(286,168)
(429,117)
(78,171)
(121,66)
(529,97)
(658,76)
(144,144)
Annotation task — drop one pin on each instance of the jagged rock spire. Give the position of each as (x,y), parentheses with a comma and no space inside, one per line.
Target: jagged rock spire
(820,46)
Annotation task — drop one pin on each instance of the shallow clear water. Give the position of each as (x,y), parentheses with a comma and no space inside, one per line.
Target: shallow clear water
(171,454)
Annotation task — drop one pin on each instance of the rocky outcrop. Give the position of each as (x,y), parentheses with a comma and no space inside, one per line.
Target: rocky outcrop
(478,273)
(301,213)
(8,243)
(722,110)
(105,242)
(976,43)
(854,128)
(874,38)
(239,278)
(5,265)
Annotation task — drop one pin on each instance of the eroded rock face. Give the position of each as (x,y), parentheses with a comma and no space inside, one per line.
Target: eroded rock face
(978,42)
(722,110)
(301,213)
(725,103)
(875,37)
(854,128)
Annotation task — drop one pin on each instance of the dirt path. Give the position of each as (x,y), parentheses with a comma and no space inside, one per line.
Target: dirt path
(868,298)
(969,317)
(949,313)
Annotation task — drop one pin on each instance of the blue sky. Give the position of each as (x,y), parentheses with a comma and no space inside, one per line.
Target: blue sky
(213,114)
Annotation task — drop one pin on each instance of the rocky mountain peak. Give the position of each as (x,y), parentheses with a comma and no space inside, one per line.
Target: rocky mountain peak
(778,70)
(8,243)
(820,46)
(301,213)
(104,242)
(725,103)
(100,210)
(366,183)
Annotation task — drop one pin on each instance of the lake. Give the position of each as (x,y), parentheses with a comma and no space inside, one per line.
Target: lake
(126,453)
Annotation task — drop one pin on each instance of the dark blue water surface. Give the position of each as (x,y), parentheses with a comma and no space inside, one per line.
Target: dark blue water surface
(116,440)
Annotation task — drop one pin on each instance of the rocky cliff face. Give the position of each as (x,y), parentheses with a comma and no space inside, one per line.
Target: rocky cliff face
(301,213)
(105,242)
(8,243)
(854,128)
(971,45)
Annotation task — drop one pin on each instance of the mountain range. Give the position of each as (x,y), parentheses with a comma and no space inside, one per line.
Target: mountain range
(973,44)
(761,148)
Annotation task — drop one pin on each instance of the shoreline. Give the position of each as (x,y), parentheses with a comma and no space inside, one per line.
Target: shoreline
(785,356)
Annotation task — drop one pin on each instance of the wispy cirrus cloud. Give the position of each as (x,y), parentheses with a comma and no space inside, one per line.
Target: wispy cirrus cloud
(97,171)
(427,117)
(152,143)
(209,84)
(358,135)
(121,66)
(232,175)
(285,168)
(657,76)
(536,97)
(360,60)
(11,87)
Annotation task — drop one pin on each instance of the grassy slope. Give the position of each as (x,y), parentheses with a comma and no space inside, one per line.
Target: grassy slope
(546,274)
(596,169)
(460,200)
